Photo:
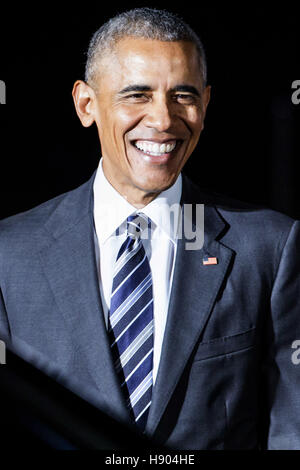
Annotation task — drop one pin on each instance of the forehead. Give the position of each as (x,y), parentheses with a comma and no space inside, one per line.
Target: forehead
(135,59)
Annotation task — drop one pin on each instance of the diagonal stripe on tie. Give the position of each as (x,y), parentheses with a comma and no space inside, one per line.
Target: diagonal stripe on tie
(125,289)
(127,325)
(130,268)
(126,256)
(135,359)
(130,374)
(130,300)
(135,346)
(131,323)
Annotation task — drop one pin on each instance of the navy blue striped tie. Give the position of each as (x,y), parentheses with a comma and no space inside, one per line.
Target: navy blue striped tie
(131,321)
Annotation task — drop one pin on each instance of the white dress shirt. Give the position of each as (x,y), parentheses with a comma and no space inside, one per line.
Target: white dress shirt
(110,213)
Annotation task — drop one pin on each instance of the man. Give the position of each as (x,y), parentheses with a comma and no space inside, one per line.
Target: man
(193,346)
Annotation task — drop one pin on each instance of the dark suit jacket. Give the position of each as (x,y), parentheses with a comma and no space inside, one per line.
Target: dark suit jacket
(226,377)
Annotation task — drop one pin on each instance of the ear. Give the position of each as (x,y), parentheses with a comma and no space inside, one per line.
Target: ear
(84,100)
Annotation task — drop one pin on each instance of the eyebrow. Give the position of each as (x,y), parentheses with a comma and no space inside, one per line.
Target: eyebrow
(134,88)
(139,88)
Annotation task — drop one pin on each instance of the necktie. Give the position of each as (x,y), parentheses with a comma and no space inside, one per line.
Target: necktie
(130,325)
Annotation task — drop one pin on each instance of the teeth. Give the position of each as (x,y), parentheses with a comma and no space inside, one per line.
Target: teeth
(155,148)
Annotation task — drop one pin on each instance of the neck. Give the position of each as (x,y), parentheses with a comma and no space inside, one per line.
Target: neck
(138,200)
(136,196)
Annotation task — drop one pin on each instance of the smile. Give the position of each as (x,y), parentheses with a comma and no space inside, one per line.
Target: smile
(155,149)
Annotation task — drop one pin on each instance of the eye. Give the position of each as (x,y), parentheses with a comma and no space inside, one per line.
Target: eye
(137,97)
(185,98)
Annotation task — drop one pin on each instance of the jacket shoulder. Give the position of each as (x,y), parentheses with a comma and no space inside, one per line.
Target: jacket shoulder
(30,218)
(235,211)
(29,224)
(249,228)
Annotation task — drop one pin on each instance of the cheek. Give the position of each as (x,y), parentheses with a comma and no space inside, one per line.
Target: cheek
(112,128)
(124,116)
(194,120)
(196,123)
(127,117)
(193,117)
(196,117)
(123,122)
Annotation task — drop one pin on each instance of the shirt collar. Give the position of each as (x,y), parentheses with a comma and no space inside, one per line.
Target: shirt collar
(111,209)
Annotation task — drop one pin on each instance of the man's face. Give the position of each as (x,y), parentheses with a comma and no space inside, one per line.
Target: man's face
(149,109)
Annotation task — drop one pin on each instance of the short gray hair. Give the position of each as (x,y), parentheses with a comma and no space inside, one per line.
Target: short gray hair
(147,23)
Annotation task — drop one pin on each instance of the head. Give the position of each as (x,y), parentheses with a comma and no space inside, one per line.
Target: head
(145,88)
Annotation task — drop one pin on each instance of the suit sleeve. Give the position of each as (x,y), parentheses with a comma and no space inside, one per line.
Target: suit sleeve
(283,366)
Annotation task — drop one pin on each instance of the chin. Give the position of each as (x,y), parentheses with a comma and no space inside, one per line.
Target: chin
(155,185)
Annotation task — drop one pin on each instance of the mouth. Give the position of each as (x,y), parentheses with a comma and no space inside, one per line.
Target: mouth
(156,151)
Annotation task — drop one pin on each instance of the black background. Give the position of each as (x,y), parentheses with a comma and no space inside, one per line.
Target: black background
(249,149)
(250,146)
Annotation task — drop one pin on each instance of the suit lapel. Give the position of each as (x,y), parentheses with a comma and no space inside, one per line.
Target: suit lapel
(194,290)
(70,266)
(68,258)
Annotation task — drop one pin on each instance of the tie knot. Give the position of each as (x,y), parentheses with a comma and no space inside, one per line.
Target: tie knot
(136,224)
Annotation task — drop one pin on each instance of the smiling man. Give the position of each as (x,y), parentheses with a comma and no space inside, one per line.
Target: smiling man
(148,101)
(191,347)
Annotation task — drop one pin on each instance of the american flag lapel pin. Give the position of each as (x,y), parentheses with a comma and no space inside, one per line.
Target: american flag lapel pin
(209,261)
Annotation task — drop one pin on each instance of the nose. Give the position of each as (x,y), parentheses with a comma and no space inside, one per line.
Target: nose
(159,115)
